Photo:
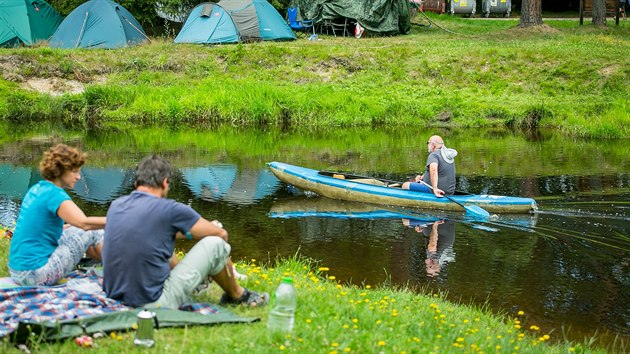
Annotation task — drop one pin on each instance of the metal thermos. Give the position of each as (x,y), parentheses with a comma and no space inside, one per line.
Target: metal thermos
(144,334)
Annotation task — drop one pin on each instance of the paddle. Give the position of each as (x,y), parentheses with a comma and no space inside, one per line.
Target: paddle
(471,210)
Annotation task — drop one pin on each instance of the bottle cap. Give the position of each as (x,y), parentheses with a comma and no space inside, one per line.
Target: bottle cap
(287,280)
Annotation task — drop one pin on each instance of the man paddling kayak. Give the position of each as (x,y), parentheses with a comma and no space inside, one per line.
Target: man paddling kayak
(439,172)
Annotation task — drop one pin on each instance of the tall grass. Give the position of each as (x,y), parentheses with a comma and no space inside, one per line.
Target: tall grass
(488,74)
(337,318)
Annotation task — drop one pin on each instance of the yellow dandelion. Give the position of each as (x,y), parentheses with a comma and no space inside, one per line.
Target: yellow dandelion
(459,339)
(363,294)
(498,347)
(381,343)
(534,328)
(338,286)
(517,326)
(368,286)
(282,347)
(323,269)
(253,260)
(355,320)
(438,336)
(119,338)
(521,313)
(466,321)
(308,320)
(345,326)
(378,321)
(332,277)
(571,349)
(334,344)
(346,349)
(113,334)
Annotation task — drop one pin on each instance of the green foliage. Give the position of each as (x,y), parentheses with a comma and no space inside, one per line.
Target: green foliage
(334,317)
(490,75)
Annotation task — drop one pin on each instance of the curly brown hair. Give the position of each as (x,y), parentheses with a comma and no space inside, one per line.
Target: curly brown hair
(59,159)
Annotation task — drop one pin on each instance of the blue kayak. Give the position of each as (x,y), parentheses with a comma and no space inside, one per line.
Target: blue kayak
(339,185)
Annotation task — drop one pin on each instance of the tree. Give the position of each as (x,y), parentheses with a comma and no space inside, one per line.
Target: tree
(531,13)
(599,12)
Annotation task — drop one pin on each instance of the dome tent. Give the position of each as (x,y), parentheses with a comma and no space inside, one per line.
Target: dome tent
(98,24)
(208,23)
(257,20)
(26,21)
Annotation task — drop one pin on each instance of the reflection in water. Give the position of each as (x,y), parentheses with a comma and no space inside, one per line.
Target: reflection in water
(440,237)
(566,266)
(224,182)
(103,185)
(14,180)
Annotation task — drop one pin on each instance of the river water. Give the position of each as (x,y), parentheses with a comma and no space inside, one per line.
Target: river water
(566,266)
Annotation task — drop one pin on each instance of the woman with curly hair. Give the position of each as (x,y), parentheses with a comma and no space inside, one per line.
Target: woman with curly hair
(43,250)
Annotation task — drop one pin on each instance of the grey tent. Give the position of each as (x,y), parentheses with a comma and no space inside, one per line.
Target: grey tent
(385,17)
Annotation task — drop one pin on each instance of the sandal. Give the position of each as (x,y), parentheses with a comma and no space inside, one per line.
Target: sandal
(249,299)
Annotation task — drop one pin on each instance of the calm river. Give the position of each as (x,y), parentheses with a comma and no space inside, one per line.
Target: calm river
(567,266)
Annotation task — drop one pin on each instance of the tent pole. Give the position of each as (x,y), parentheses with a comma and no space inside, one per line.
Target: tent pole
(136,28)
(82,28)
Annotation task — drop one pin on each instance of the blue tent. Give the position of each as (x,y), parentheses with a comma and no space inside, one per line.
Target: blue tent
(257,20)
(210,183)
(26,21)
(102,185)
(251,186)
(98,24)
(208,23)
(14,181)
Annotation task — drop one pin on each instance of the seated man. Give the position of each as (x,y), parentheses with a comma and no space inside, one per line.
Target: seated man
(139,264)
(439,175)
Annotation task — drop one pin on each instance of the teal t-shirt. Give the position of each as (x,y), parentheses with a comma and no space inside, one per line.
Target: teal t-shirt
(38,227)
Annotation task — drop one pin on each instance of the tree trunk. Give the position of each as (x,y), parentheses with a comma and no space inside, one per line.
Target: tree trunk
(531,13)
(599,13)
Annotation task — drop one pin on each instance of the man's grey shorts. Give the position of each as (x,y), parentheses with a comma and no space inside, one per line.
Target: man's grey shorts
(208,257)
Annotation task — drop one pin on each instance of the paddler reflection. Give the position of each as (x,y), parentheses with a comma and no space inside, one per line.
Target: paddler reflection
(440,237)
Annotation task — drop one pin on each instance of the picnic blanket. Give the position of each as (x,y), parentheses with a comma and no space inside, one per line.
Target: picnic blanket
(80,307)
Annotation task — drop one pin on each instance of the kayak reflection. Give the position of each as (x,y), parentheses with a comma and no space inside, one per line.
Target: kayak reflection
(439,240)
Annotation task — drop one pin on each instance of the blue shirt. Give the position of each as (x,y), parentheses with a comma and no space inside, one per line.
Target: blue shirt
(38,227)
(138,244)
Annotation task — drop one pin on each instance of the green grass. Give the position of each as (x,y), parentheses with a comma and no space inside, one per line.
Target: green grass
(563,77)
(338,318)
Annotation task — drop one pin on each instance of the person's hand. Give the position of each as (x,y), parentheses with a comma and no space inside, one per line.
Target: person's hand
(217,223)
(419,178)
(438,192)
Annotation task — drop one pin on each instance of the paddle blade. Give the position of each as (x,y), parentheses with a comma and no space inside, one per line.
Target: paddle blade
(477,212)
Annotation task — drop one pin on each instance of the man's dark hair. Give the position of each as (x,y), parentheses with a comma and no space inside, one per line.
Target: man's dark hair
(151,171)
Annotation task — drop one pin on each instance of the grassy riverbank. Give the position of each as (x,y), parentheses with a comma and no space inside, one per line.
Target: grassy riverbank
(335,318)
(489,74)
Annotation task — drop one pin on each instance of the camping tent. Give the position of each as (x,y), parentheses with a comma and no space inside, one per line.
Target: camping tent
(26,21)
(225,182)
(208,23)
(210,183)
(103,185)
(387,17)
(257,20)
(98,24)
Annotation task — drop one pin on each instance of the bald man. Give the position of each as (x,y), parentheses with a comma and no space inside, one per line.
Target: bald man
(439,172)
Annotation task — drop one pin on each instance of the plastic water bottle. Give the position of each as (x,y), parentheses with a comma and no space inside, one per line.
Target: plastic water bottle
(282,315)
